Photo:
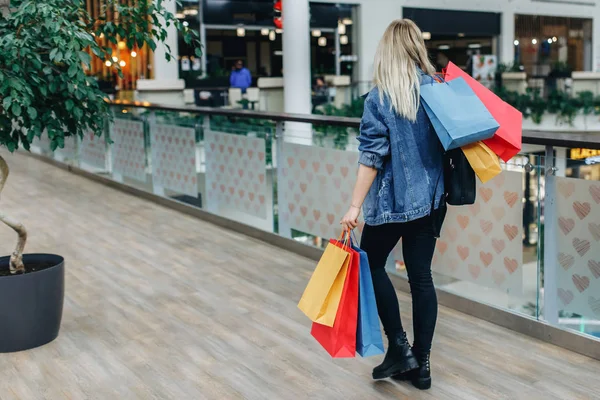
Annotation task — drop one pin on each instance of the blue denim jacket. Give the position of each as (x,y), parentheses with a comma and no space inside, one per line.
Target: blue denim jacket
(408,156)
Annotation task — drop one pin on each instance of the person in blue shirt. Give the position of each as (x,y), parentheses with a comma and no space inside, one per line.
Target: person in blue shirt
(240,76)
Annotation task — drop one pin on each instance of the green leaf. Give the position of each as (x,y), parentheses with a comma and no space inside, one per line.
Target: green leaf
(59,57)
(152,45)
(47,70)
(11,146)
(6,102)
(73,69)
(15,84)
(53,54)
(69,104)
(16,109)
(198,52)
(85,57)
(32,112)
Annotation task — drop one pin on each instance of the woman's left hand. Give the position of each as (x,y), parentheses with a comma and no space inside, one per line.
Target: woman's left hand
(350,220)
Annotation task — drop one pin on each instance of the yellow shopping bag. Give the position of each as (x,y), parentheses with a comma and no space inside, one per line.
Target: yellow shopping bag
(321,298)
(483,160)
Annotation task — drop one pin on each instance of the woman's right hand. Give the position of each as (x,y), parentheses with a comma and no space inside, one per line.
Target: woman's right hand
(350,221)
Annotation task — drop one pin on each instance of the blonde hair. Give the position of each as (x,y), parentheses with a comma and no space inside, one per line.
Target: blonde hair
(400,51)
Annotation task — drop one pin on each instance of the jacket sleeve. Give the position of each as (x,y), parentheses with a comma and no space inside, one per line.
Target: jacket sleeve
(249,77)
(374,137)
(232,79)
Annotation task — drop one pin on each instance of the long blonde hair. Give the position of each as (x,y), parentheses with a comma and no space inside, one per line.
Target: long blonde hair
(400,51)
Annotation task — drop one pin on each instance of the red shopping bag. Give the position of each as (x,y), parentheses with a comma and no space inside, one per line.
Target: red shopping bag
(340,340)
(506,143)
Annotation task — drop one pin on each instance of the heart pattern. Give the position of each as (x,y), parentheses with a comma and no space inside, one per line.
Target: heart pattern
(94,151)
(582,246)
(594,267)
(566,296)
(578,205)
(128,150)
(474,237)
(582,209)
(581,282)
(566,260)
(241,163)
(322,180)
(174,162)
(595,192)
(566,225)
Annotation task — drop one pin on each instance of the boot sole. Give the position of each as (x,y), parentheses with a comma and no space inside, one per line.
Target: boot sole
(422,383)
(397,369)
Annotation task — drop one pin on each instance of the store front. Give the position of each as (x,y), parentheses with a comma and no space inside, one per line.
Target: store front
(457,36)
(245,30)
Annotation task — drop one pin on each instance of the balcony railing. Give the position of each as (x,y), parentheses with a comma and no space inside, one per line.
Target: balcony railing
(530,244)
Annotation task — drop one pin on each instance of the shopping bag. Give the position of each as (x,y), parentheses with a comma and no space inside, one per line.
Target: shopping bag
(340,339)
(322,295)
(369,341)
(483,160)
(456,113)
(506,143)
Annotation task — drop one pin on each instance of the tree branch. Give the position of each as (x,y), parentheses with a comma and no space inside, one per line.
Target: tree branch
(16,258)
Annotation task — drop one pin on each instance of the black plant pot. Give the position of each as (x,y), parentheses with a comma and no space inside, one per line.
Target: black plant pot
(31,304)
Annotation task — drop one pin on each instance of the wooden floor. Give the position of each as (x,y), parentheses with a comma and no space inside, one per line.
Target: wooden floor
(162,306)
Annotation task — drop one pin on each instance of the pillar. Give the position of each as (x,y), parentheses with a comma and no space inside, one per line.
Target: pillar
(507,38)
(166,87)
(296,66)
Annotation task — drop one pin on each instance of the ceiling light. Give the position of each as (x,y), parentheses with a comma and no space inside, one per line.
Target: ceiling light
(322,41)
(341,29)
(264,31)
(279,31)
(344,40)
(241,32)
(122,63)
(316,33)
(108,63)
(533,41)
(133,54)
(443,47)
(461,35)
(554,39)
(516,42)
(549,40)
(474,46)
(347,21)
(272,36)
(426,35)
(115,59)
(191,11)
(121,45)
(186,24)
(180,16)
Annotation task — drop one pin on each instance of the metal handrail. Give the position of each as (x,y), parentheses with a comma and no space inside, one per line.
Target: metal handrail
(584,139)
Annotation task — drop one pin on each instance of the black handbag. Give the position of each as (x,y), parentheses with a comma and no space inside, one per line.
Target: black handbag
(459,182)
(459,179)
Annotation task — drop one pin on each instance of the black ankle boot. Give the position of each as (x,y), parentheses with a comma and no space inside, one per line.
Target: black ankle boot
(421,377)
(398,359)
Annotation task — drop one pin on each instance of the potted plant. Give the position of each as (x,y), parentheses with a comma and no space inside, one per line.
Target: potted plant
(46,50)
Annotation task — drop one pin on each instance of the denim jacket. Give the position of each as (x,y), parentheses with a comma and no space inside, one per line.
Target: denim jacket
(409,159)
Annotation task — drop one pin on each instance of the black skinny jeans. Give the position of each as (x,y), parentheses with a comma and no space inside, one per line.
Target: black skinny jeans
(418,245)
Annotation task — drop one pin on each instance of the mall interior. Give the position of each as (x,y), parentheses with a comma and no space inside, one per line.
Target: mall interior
(191,227)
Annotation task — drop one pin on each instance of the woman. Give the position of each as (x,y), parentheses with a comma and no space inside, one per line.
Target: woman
(399,187)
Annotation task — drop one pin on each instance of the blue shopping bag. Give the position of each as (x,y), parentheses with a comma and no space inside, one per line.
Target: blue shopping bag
(458,116)
(369,341)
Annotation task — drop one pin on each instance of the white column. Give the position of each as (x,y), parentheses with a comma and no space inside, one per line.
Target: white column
(596,43)
(296,66)
(166,87)
(507,38)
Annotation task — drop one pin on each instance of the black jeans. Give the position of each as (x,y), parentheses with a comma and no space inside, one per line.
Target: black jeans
(418,245)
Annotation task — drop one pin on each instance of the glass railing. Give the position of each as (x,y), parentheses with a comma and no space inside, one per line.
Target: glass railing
(530,244)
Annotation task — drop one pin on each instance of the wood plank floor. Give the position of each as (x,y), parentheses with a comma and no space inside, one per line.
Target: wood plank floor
(162,306)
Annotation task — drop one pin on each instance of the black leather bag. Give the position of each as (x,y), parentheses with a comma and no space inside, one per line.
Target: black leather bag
(459,179)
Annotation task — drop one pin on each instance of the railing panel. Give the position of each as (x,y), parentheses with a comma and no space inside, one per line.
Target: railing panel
(94,152)
(128,149)
(578,243)
(173,150)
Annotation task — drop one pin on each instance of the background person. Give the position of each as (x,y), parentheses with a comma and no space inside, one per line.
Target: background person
(240,76)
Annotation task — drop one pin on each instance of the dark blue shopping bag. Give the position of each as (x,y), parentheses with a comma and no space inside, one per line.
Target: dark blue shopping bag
(458,116)
(368,332)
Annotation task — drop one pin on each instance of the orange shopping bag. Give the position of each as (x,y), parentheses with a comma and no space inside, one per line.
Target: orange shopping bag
(340,339)
(322,295)
(506,142)
(483,160)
